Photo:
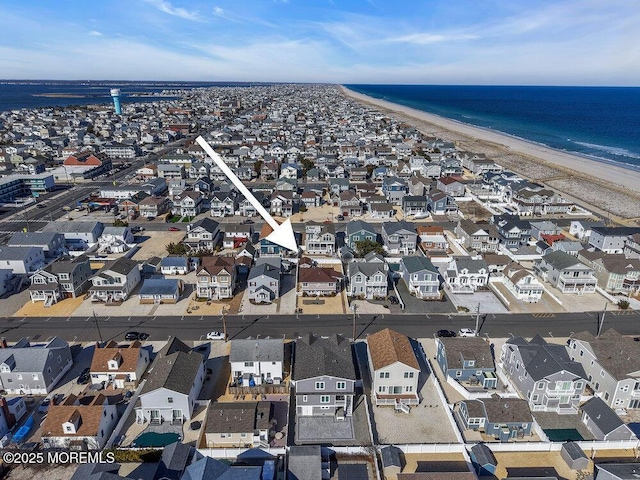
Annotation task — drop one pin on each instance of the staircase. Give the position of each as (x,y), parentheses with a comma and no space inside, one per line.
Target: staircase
(399,406)
(347,405)
(49,301)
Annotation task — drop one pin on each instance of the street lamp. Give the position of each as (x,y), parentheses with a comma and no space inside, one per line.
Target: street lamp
(354,307)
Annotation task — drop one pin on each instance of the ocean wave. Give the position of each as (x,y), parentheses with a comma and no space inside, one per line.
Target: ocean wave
(622,152)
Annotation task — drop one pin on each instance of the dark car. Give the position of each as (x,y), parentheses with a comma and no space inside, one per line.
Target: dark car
(143,336)
(445,333)
(131,336)
(393,300)
(248,221)
(340,217)
(83,378)
(174,229)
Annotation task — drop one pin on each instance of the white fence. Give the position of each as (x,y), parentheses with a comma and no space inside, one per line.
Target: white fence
(127,412)
(479,394)
(234,452)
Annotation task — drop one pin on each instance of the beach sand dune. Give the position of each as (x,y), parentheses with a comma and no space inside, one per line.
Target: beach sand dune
(609,190)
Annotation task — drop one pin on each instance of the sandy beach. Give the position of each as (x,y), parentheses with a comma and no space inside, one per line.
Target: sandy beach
(607,189)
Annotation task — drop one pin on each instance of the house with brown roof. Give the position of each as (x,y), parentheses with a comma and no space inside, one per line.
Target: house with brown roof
(120,366)
(84,423)
(216,278)
(317,281)
(394,368)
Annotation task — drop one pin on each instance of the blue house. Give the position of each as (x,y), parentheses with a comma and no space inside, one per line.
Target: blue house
(467,359)
(357,231)
(501,418)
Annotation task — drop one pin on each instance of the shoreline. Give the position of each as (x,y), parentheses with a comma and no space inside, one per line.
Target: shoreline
(594,183)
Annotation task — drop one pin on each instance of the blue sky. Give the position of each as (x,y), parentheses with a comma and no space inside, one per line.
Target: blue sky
(542,42)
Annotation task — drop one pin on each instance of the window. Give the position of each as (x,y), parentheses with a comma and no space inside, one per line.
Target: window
(606,395)
(35,376)
(325,398)
(602,373)
(625,388)
(458,373)
(68,428)
(540,385)
(319,385)
(341,385)
(248,364)
(408,388)
(169,399)
(384,374)
(534,398)
(578,385)
(408,374)
(243,435)
(382,388)
(304,398)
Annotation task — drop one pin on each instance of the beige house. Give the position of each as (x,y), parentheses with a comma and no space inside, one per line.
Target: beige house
(394,368)
(238,424)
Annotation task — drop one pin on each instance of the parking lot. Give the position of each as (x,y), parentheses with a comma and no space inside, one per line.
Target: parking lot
(482,301)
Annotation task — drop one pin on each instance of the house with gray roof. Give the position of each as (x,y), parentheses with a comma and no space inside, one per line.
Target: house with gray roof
(324,377)
(399,238)
(64,278)
(115,281)
(263,282)
(257,361)
(566,273)
(52,243)
(466,274)
(502,418)
(612,364)
(306,463)
(522,283)
(33,369)
(420,276)
(467,359)
(22,260)
(358,231)
(78,234)
(544,374)
(160,290)
(239,424)
(207,468)
(615,272)
(367,280)
(617,471)
(603,422)
(174,265)
(172,385)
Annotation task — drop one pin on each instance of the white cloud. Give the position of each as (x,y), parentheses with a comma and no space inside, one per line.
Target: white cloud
(95,33)
(169,9)
(429,38)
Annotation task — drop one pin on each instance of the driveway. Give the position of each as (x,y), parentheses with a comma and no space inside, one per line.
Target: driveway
(415,305)
(486,301)
(287,301)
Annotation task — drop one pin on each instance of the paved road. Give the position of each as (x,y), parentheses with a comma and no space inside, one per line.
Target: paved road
(423,325)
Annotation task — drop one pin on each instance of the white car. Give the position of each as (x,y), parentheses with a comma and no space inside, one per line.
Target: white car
(467,332)
(215,336)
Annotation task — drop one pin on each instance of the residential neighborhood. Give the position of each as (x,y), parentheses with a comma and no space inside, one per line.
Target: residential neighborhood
(393,227)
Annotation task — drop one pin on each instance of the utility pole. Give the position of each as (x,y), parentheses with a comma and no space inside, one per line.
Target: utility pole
(97,326)
(224,323)
(601,323)
(477,319)
(354,307)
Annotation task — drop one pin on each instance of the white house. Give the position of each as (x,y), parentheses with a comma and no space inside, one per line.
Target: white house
(22,260)
(257,361)
(120,366)
(523,284)
(395,369)
(466,274)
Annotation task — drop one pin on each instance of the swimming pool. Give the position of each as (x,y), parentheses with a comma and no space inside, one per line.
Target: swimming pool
(154,439)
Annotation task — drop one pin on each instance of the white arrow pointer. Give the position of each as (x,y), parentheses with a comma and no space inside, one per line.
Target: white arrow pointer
(282,234)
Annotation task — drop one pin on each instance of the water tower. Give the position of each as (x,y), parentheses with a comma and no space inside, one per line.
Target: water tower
(115,94)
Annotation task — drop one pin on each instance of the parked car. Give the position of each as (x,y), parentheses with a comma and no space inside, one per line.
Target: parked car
(131,336)
(248,221)
(215,336)
(174,229)
(143,336)
(83,378)
(445,333)
(44,406)
(393,300)
(340,217)
(467,332)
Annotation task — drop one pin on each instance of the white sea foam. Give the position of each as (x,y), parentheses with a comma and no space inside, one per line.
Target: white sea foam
(623,152)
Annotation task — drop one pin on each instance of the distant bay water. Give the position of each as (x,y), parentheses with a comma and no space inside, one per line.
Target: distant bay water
(602,123)
(15,94)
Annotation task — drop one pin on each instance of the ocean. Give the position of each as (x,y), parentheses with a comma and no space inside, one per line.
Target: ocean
(602,123)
